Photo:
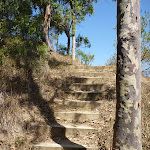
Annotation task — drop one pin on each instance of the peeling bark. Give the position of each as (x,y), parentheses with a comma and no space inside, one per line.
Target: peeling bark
(127,128)
(46,27)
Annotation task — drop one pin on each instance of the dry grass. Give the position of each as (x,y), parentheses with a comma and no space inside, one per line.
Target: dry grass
(146,113)
(106,134)
(29,86)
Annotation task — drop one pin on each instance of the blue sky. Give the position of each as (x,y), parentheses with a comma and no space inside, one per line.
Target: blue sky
(99,30)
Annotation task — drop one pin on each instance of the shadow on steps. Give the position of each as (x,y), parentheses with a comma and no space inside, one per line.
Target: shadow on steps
(35,99)
(91,89)
(31,88)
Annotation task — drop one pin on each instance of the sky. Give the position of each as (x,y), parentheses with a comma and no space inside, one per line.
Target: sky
(99,30)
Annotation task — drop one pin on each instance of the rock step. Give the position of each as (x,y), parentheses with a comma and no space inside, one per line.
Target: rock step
(59,130)
(80,104)
(61,146)
(88,87)
(94,70)
(92,95)
(92,74)
(76,116)
(92,80)
(101,68)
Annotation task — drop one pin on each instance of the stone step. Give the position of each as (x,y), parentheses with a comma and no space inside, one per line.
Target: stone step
(61,146)
(101,68)
(88,87)
(92,95)
(59,130)
(76,116)
(80,104)
(92,80)
(95,70)
(92,74)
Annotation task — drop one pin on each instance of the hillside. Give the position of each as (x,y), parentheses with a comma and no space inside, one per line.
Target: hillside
(33,92)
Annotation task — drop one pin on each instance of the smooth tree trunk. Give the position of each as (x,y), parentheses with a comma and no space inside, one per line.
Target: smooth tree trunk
(127,128)
(46,27)
(73,40)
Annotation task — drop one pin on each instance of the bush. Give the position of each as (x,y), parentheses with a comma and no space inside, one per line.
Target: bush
(62,49)
(85,58)
(16,48)
(112,60)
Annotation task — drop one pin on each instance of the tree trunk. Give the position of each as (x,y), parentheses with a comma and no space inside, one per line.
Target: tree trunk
(46,27)
(73,40)
(73,47)
(68,46)
(57,41)
(127,128)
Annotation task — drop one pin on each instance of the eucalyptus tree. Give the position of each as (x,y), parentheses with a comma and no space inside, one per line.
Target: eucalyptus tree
(33,19)
(79,10)
(74,11)
(70,13)
(127,128)
(47,13)
(29,20)
(62,22)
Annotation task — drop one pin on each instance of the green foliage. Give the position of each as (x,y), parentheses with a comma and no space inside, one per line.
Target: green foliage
(20,29)
(14,46)
(145,36)
(62,49)
(69,14)
(80,40)
(79,9)
(21,24)
(41,49)
(85,58)
(15,18)
(17,47)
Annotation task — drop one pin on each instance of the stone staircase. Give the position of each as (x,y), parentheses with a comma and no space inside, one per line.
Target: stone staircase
(80,117)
